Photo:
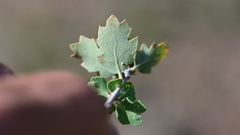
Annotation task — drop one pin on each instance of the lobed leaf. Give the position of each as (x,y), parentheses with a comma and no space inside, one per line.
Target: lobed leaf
(100,84)
(146,58)
(128,91)
(87,50)
(113,41)
(127,117)
(133,106)
(109,51)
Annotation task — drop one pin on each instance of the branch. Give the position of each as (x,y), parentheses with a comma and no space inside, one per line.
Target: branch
(114,95)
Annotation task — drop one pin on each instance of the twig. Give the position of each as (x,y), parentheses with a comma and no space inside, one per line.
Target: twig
(114,95)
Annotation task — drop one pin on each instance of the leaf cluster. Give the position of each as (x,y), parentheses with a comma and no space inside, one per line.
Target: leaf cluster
(112,54)
(127,108)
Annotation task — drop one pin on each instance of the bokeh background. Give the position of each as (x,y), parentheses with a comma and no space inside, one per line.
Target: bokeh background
(194,91)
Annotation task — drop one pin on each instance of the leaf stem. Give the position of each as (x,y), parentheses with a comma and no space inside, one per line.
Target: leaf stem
(120,76)
(136,66)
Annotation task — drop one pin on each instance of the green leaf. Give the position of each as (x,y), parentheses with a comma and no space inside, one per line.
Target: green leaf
(113,84)
(146,58)
(113,41)
(127,90)
(133,106)
(87,50)
(100,84)
(127,117)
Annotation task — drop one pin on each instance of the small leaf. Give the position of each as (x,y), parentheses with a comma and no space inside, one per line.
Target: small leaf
(127,91)
(113,41)
(128,117)
(113,84)
(133,106)
(87,50)
(100,84)
(146,58)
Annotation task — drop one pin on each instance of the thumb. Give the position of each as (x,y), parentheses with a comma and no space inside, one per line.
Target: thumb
(53,102)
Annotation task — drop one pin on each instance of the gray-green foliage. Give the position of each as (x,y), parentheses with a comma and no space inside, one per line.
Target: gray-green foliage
(128,109)
(114,54)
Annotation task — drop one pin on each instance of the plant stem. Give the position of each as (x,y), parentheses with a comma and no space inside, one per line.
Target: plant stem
(120,76)
(114,95)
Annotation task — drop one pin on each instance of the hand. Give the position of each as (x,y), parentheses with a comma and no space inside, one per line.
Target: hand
(51,103)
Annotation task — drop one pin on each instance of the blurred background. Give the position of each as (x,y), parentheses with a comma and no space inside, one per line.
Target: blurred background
(194,91)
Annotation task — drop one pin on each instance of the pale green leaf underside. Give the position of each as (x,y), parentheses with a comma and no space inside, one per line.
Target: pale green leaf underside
(109,51)
(113,41)
(100,84)
(88,51)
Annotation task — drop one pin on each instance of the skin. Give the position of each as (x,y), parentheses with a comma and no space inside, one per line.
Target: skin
(51,103)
